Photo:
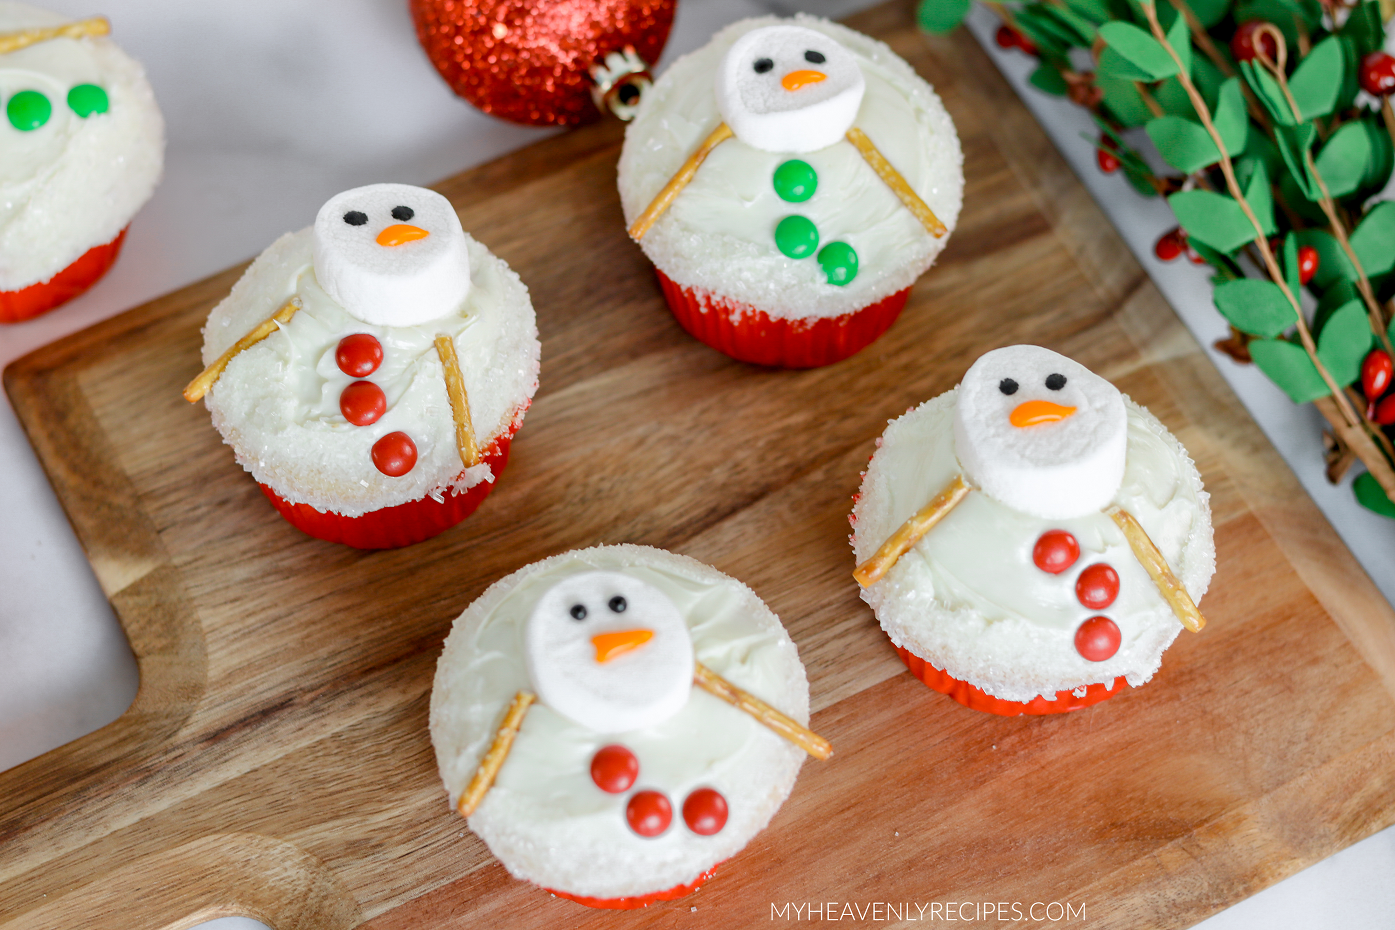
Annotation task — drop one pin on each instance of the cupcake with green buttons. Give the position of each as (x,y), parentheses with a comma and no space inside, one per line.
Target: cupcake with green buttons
(81,149)
(790,181)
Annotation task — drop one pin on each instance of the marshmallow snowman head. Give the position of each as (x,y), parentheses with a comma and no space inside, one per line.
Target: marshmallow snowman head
(609,652)
(392,254)
(1041,433)
(789,89)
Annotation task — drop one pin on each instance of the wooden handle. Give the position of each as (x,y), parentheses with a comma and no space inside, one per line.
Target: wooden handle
(459,401)
(210,375)
(803,737)
(14,41)
(1168,586)
(898,184)
(910,533)
(498,751)
(679,181)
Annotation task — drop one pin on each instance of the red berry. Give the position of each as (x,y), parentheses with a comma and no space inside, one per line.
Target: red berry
(359,355)
(1378,74)
(395,454)
(1242,44)
(1055,551)
(1108,161)
(649,813)
(1385,412)
(1307,263)
(362,403)
(1194,256)
(614,769)
(1169,245)
(1097,639)
(1375,374)
(705,812)
(1097,586)
(1006,37)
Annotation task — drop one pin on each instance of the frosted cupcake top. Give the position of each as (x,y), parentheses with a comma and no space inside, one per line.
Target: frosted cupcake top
(81,147)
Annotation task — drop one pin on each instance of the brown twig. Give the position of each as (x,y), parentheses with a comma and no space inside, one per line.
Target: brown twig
(911,532)
(680,180)
(82,29)
(493,760)
(202,384)
(1151,558)
(893,179)
(792,730)
(459,402)
(1203,41)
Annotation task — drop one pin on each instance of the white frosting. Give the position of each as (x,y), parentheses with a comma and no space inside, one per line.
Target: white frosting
(74,182)
(763,112)
(1067,468)
(609,693)
(397,283)
(718,236)
(277,403)
(545,819)
(968,597)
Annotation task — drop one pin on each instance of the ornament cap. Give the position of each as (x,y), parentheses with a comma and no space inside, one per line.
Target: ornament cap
(620,81)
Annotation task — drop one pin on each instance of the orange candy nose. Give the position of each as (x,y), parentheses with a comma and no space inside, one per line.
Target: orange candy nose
(610,645)
(797,79)
(400,233)
(1036,412)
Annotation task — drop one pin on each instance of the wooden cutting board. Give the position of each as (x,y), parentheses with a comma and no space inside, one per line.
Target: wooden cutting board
(276,761)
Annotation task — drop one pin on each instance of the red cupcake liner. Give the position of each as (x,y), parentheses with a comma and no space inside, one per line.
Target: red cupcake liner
(978,699)
(638,901)
(28,302)
(405,524)
(751,335)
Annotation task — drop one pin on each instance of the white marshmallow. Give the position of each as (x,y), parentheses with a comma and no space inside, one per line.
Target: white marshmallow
(763,113)
(1066,468)
(638,688)
(391,285)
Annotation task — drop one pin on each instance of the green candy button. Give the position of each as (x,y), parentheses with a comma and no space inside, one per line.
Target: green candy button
(86,99)
(28,110)
(797,236)
(796,181)
(839,262)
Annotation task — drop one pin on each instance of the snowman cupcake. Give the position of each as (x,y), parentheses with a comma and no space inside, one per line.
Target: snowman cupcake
(370,371)
(81,149)
(617,721)
(790,180)
(1032,540)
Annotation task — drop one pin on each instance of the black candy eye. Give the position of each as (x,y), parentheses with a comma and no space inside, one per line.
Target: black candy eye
(1007,386)
(618,604)
(403,214)
(815,58)
(355,218)
(578,611)
(1055,382)
(763,65)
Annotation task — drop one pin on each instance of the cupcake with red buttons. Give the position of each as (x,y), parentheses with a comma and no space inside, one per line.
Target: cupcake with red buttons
(1032,540)
(81,149)
(371,371)
(790,181)
(630,774)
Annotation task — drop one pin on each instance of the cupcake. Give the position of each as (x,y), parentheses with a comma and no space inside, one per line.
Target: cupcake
(81,149)
(370,371)
(1032,540)
(790,181)
(617,721)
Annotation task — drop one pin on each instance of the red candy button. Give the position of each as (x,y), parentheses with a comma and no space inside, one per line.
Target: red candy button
(1055,551)
(1097,639)
(614,769)
(649,813)
(359,355)
(362,403)
(395,454)
(1097,586)
(705,812)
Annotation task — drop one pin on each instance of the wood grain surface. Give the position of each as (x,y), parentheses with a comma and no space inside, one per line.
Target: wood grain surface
(276,761)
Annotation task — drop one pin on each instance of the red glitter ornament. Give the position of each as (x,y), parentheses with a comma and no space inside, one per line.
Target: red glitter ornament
(530,61)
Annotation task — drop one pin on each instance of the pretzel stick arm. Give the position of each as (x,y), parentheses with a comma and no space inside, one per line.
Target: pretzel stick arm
(210,375)
(675,186)
(1168,585)
(803,737)
(498,751)
(888,173)
(23,38)
(910,533)
(459,401)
